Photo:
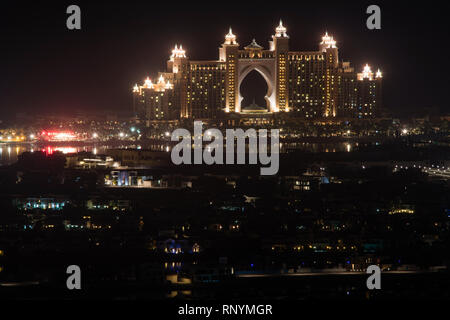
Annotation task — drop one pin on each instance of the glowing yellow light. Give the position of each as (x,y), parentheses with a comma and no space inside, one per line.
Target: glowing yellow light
(366,73)
(328,41)
(148,83)
(178,52)
(401,210)
(168,85)
(63,135)
(66,150)
(230,38)
(378,74)
(280,31)
(348,147)
(135,88)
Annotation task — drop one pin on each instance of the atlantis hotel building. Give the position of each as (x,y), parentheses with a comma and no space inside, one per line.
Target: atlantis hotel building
(303,84)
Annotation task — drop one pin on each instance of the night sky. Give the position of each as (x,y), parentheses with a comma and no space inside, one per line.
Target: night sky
(46,68)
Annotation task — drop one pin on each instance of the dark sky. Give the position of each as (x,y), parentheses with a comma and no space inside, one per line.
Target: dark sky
(47,68)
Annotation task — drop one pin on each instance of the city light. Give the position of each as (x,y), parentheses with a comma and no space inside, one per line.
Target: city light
(230,38)
(59,135)
(378,74)
(367,72)
(327,42)
(178,52)
(66,150)
(280,31)
(148,83)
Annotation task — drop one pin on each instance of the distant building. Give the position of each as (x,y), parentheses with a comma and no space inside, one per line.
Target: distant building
(89,161)
(307,84)
(369,93)
(140,158)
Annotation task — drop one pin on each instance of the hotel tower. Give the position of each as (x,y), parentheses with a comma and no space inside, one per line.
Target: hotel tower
(305,84)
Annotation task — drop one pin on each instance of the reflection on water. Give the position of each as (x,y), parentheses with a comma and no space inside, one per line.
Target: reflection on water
(10,152)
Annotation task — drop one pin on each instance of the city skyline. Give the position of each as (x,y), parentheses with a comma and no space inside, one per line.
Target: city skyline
(85,70)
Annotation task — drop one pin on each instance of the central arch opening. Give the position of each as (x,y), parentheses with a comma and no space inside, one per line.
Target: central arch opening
(254,89)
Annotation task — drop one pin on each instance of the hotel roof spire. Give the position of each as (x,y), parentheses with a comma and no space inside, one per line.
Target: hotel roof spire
(230,38)
(327,42)
(178,52)
(280,31)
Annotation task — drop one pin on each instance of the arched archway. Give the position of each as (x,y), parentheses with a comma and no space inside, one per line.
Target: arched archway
(254,89)
(267,73)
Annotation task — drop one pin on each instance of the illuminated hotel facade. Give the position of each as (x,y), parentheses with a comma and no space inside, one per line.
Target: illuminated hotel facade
(305,84)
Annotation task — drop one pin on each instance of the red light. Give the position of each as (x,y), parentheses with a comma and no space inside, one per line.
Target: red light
(59,135)
(49,150)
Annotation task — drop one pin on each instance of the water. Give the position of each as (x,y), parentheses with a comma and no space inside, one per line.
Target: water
(10,151)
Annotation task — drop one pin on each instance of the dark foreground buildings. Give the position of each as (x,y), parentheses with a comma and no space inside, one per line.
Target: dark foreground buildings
(198,232)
